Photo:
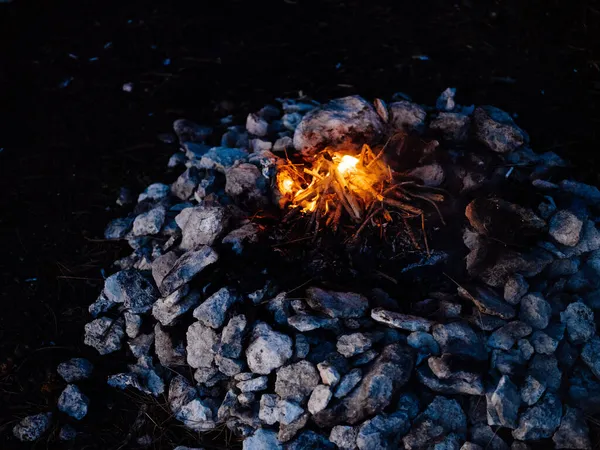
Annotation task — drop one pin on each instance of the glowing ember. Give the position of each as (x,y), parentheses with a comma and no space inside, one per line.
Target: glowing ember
(347,163)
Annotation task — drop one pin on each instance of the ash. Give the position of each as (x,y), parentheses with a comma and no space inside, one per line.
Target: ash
(481,333)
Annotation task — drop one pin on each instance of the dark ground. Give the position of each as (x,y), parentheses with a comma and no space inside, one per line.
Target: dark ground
(66,151)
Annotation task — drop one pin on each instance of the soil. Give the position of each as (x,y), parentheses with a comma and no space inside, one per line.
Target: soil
(66,151)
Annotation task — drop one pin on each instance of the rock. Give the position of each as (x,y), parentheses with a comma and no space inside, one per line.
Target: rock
(388,373)
(149,380)
(246,181)
(431,174)
(202,342)
(588,242)
(253,385)
(73,402)
(181,392)
(304,323)
(167,353)
(118,228)
(471,446)
(67,433)
(268,409)
(31,428)
(188,131)
(353,344)
(268,350)
(584,390)
(288,412)
(445,101)
(488,302)
(213,310)
(133,323)
(525,348)
(256,125)
(288,432)
(162,265)
(197,416)
(579,320)
(75,369)
(104,334)
(329,373)
(382,432)
(505,401)
(155,192)
(573,432)
(485,322)
(187,267)
(247,234)
(563,267)
(346,123)
(309,440)
(451,126)
(409,404)
(344,437)
(590,194)
(442,416)
(231,337)
(543,343)
(101,305)
(511,362)
(221,158)
(460,382)
(168,310)
(296,381)
(401,321)
(423,342)
(229,366)
(504,338)
(140,346)
(545,369)
(206,374)
(591,355)
(532,390)
(262,439)
(364,358)
(565,228)
(535,311)
(539,421)
(348,382)
(149,223)
(458,338)
(184,186)
(407,116)
(497,131)
(319,399)
(341,305)
(509,262)
(132,289)
(487,438)
(201,225)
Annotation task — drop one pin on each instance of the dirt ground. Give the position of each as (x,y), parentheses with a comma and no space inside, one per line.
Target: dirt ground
(71,137)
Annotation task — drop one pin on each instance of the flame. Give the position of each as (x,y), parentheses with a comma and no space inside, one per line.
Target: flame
(285,183)
(347,164)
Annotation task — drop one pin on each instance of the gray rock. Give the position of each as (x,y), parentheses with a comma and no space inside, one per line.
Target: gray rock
(167,310)
(346,122)
(460,382)
(526,348)
(545,369)
(118,228)
(584,390)
(283,144)
(150,380)
(430,175)
(262,439)
(202,343)
(201,225)
(104,334)
(330,375)
(511,362)
(149,223)
(504,338)
(589,193)
(101,305)
(246,234)
(409,404)
(245,181)
(267,350)
(509,262)
(488,302)
(168,354)
(73,402)
(401,321)
(304,322)
(386,376)
(140,346)
(591,355)
(382,432)
(288,432)
(184,186)
(256,125)
(75,369)
(296,381)
(133,323)
(445,101)
(205,375)
(471,446)
(423,342)
(344,437)
(506,401)
(31,428)
(406,115)
(563,267)
(458,338)
(565,228)
(220,158)
(539,421)
(288,412)
(532,390)
(579,320)
(535,311)
(365,358)
(268,409)
(340,305)
(246,399)
(348,382)
(67,433)
(309,440)
(213,310)
(162,265)
(319,399)
(187,267)
(519,445)
(352,344)
(155,192)
(543,343)
(253,385)
(188,131)
(573,432)
(497,131)
(487,438)
(451,125)
(132,289)
(588,242)
(197,416)
(181,392)
(231,337)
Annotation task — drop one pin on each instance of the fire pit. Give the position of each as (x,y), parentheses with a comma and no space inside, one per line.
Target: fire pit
(355,275)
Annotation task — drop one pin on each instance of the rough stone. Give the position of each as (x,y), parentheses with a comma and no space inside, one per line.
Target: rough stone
(487,438)
(75,369)
(296,381)
(405,115)
(329,373)
(268,409)
(458,338)
(187,267)
(506,400)
(140,346)
(168,354)
(288,432)
(267,350)
(539,421)
(525,348)
(197,416)
(188,131)
(344,437)
(460,382)
(253,385)
(451,125)
(67,433)
(497,131)
(579,320)
(340,305)
(543,343)
(202,342)
(423,342)
(431,174)
(573,432)
(201,225)
(591,355)
(382,432)
(545,369)
(487,302)
(73,402)
(167,310)
(309,440)
(535,311)
(162,265)
(565,228)
(319,399)
(352,344)
(31,428)
(149,223)
(132,289)
(213,310)
(288,412)
(181,392)
(348,382)
(118,228)
(401,321)
(231,337)
(256,125)
(104,334)
(504,338)
(246,234)
(532,390)
(245,180)
(133,323)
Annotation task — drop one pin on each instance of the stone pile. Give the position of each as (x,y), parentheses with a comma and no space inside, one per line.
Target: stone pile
(515,349)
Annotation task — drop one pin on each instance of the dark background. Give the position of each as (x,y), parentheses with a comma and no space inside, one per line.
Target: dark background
(67,150)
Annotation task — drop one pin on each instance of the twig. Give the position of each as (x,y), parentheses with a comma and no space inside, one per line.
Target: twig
(364,224)
(425,234)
